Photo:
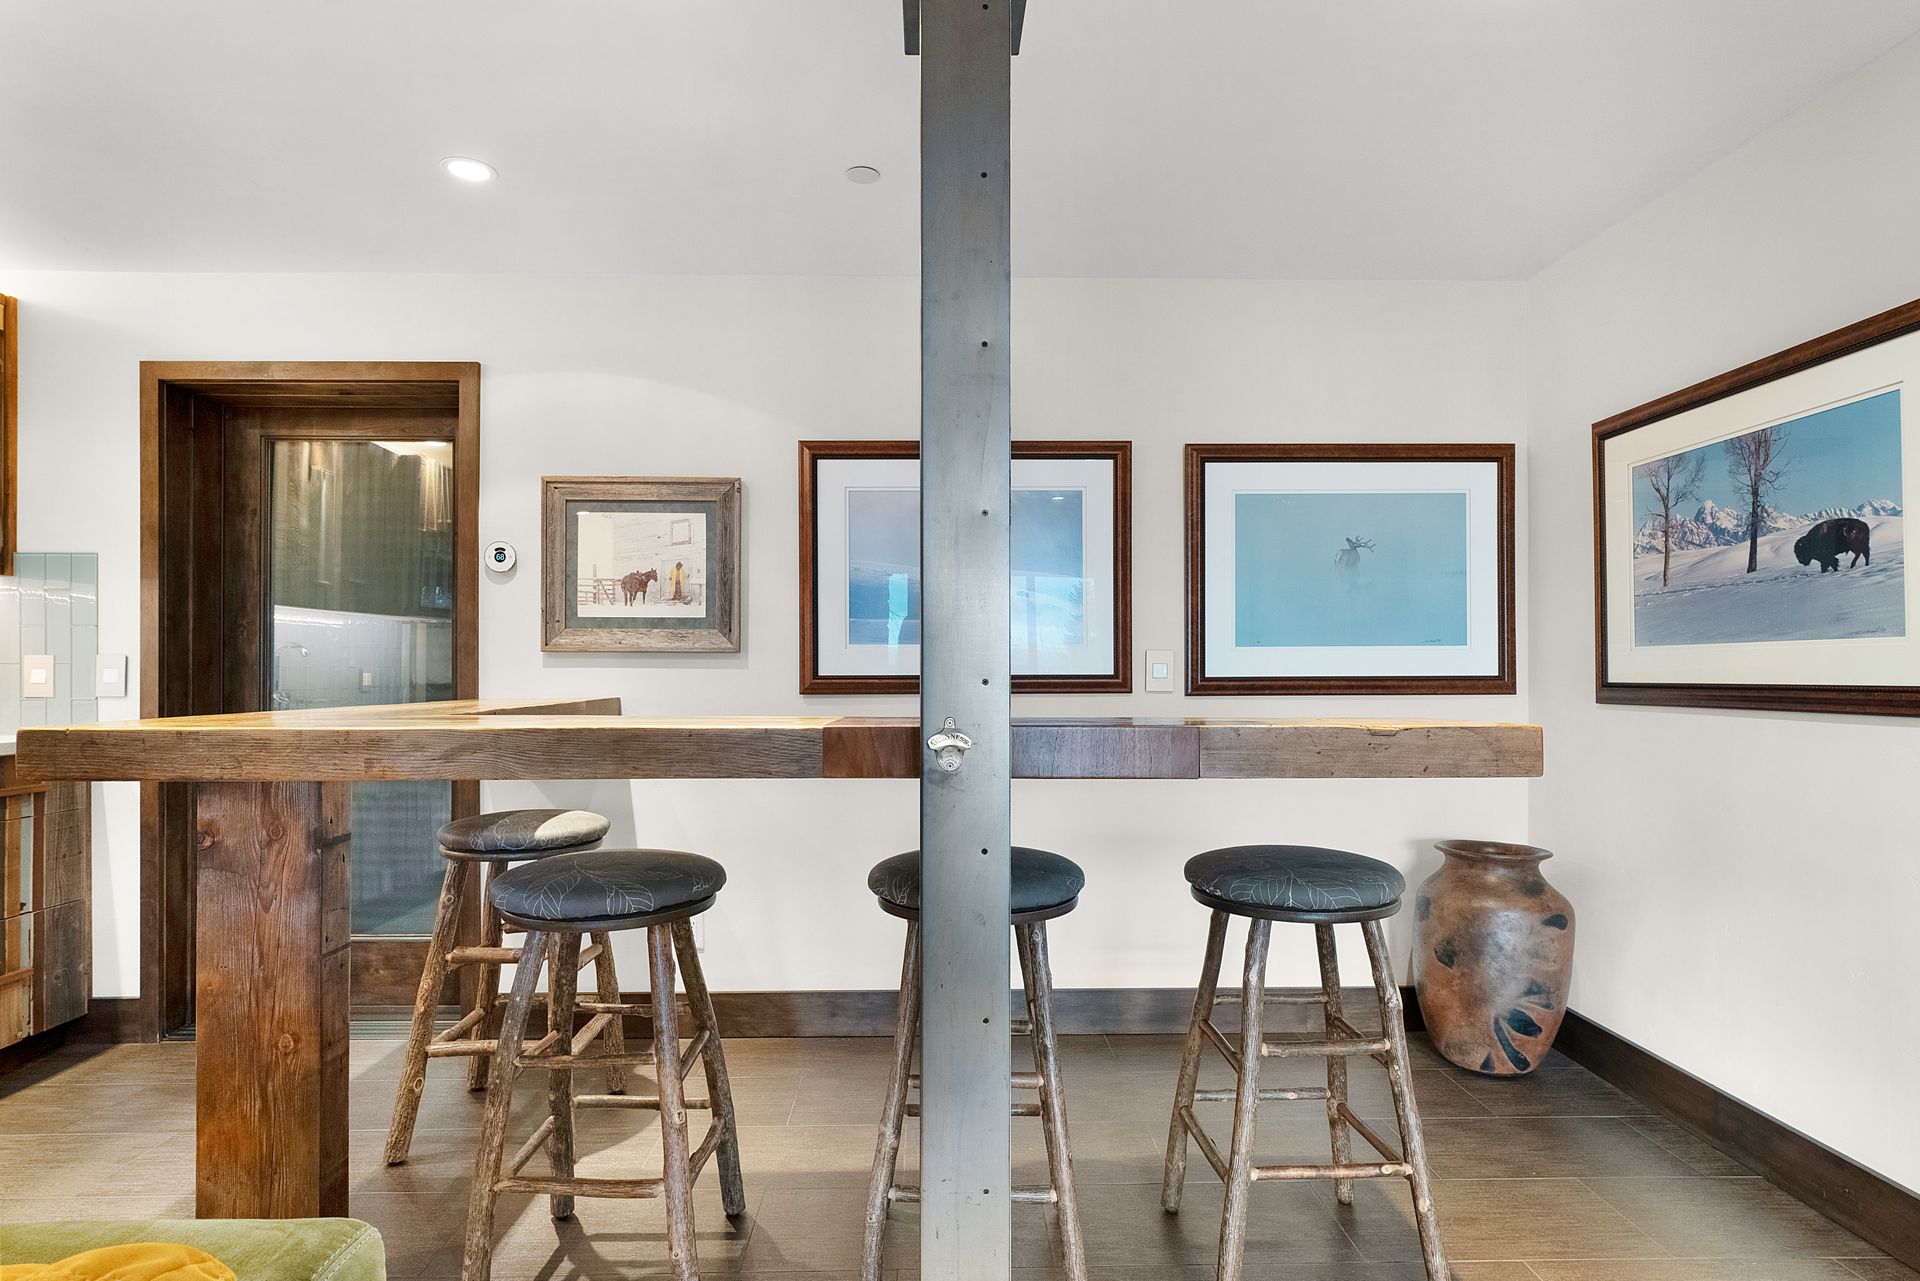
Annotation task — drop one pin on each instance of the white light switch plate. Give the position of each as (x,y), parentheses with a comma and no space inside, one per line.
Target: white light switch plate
(36,676)
(110,676)
(1160,671)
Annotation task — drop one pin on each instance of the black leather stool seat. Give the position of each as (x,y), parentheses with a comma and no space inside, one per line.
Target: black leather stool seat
(1274,880)
(511,835)
(1041,880)
(599,889)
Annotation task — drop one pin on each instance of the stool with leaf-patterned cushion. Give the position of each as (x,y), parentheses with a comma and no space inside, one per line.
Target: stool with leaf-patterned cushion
(1302,885)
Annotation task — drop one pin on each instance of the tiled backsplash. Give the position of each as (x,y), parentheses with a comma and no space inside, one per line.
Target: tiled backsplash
(51,605)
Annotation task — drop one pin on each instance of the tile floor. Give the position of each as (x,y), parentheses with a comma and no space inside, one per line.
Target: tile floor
(1557,1177)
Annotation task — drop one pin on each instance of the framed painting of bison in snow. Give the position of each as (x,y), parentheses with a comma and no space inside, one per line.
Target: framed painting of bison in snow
(1070,591)
(1750,545)
(629,563)
(1350,569)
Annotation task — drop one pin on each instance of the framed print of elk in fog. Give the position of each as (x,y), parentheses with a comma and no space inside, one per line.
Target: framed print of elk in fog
(1350,569)
(1749,545)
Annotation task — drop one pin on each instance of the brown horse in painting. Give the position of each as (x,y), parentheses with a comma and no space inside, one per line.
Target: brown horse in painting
(634,586)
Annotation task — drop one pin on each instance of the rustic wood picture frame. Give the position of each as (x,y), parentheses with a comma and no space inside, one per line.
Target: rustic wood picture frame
(1863,700)
(1199,682)
(559,635)
(1119,680)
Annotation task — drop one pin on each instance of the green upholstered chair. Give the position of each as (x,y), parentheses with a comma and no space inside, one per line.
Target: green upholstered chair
(256,1249)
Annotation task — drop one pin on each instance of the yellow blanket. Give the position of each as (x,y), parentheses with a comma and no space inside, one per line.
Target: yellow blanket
(142,1262)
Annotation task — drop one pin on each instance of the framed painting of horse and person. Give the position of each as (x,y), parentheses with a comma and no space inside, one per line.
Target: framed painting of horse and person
(637,564)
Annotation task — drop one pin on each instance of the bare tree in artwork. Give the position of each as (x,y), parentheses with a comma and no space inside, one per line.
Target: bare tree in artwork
(1673,479)
(1755,463)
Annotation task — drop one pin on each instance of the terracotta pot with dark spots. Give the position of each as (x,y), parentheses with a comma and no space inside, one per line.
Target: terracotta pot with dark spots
(1493,952)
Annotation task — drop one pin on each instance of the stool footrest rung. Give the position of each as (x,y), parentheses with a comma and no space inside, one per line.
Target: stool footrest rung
(708,1142)
(472,1049)
(477,955)
(578,1062)
(531,1146)
(1273,998)
(638,1009)
(1268,1094)
(467,1023)
(1220,1043)
(590,1030)
(1205,1144)
(1366,1132)
(1353,1170)
(615,1189)
(1321,1049)
(636,1102)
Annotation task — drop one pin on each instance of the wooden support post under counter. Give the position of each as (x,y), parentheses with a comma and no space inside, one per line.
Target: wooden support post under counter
(272,887)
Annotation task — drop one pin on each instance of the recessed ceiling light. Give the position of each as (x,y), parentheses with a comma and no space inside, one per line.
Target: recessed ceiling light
(865,175)
(467,169)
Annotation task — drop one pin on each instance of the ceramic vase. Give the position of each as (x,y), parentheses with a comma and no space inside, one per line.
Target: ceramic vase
(1493,952)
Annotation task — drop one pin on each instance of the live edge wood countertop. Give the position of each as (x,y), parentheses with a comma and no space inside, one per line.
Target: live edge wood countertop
(589,738)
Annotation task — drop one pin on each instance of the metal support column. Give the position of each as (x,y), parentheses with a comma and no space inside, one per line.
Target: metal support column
(965,488)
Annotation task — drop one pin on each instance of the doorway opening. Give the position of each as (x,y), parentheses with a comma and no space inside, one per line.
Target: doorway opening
(309,538)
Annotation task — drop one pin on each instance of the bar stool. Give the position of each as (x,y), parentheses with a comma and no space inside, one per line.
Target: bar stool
(556,900)
(1044,886)
(1304,885)
(474,848)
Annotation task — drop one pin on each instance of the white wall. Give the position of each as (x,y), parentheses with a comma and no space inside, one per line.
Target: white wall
(1747,883)
(721,376)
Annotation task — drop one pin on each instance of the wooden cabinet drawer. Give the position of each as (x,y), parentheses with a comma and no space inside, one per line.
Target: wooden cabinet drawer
(46,970)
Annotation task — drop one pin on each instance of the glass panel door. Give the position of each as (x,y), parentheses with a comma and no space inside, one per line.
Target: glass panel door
(360,591)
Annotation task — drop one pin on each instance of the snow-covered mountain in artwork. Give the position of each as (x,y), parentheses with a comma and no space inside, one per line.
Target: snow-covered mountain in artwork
(1710,598)
(1712,525)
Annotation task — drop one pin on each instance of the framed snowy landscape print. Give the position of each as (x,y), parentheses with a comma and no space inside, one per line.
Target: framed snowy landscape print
(1749,533)
(1070,593)
(633,563)
(1350,569)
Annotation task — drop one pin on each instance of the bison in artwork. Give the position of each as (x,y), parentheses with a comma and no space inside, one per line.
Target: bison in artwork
(1828,541)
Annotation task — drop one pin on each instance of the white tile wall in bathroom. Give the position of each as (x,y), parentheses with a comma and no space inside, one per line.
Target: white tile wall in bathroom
(50,606)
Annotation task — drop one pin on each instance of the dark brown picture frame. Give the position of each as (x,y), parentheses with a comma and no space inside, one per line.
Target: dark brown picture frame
(1863,700)
(1117,681)
(1199,683)
(723,544)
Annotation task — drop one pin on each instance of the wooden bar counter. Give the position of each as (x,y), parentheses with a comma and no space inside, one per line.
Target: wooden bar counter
(272,895)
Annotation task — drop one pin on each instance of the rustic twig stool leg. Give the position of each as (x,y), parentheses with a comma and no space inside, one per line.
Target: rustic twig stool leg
(733,1189)
(477,1261)
(1173,1181)
(1246,1103)
(426,1005)
(486,981)
(886,1158)
(607,988)
(1413,1142)
(562,983)
(682,1255)
(1336,1063)
(1037,966)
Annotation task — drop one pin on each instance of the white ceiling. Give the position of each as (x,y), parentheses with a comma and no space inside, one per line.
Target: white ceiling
(1310,138)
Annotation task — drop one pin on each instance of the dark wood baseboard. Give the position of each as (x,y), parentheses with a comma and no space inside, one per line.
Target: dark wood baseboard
(1079,1012)
(113,1020)
(1871,1207)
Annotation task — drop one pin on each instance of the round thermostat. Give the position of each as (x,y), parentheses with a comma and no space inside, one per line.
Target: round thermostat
(499,557)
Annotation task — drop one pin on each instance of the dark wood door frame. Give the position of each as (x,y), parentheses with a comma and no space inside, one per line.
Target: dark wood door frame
(415,398)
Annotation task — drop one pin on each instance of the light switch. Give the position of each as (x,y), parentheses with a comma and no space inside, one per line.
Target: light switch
(110,676)
(1160,671)
(36,676)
